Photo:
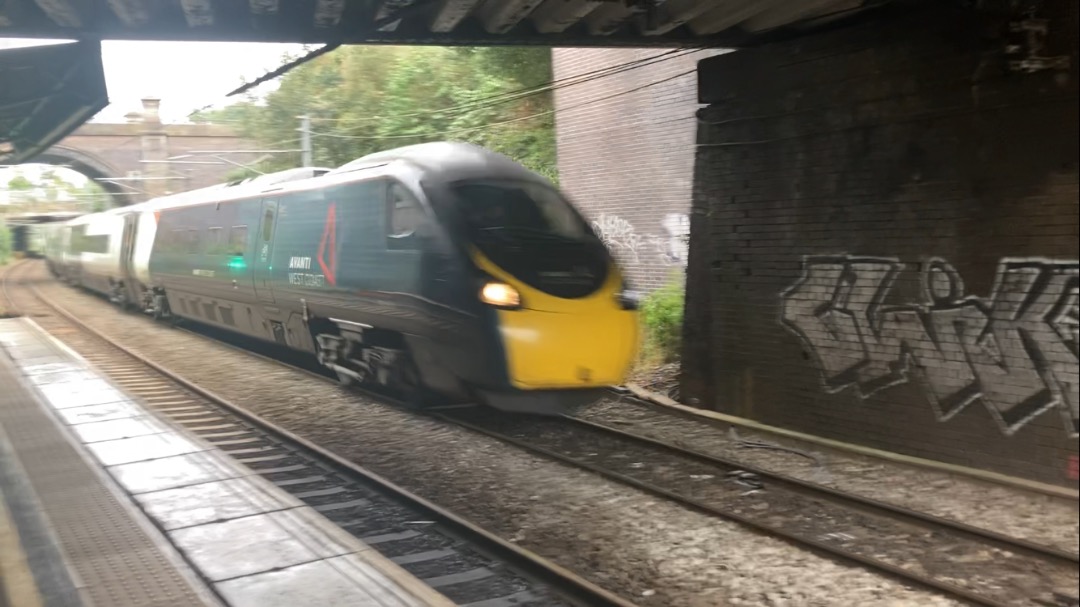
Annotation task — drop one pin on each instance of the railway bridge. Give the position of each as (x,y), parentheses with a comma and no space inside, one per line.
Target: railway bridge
(143,158)
(882,207)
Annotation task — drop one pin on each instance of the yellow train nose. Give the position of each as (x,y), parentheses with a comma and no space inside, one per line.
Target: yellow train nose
(567,350)
(555,342)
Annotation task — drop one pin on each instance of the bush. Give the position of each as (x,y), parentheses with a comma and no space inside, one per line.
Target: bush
(662,316)
(5,242)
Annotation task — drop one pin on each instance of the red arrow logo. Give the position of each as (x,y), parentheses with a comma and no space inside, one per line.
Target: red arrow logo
(329,240)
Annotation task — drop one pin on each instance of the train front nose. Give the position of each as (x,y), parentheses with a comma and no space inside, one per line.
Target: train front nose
(563,352)
(585,348)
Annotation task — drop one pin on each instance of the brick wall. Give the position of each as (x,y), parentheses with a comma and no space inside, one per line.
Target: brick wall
(884,241)
(627,161)
(120,147)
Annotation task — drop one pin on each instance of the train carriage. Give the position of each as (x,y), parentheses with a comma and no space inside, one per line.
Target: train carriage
(437,269)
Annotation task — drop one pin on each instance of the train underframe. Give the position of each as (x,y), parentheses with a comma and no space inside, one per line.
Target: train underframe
(363,355)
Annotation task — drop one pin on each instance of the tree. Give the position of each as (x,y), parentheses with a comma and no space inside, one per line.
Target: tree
(5,242)
(236,113)
(240,173)
(91,195)
(22,188)
(20,183)
(362,99)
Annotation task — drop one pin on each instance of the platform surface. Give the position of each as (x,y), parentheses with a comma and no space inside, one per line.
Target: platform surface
(111,505)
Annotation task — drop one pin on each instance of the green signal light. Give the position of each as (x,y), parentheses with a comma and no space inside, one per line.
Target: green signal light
(237,263)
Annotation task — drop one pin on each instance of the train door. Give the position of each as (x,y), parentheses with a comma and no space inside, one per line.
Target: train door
(264,252)
(127,257)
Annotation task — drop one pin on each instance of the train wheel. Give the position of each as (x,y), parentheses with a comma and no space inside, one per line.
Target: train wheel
(160,307)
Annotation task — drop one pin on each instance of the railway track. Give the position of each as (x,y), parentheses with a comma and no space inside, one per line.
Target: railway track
(464,562)
(975,565)
(817,513)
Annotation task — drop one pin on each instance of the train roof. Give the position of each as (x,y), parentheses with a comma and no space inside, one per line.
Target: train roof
(446,159)
(48,217)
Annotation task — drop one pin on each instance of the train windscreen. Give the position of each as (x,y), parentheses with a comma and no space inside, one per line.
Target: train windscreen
(530,230)
(518,209)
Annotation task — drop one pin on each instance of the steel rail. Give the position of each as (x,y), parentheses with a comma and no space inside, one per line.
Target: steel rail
(914,517)
(891,510)
(7,303)
(796,539)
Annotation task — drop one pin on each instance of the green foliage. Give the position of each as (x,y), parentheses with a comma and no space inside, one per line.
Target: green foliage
(364,99)
(5,243)
(51,192)
(240,173)
(234,113)
(20,183)
(662,316)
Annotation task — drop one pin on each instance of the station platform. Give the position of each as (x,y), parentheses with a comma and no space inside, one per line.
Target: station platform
(106,504)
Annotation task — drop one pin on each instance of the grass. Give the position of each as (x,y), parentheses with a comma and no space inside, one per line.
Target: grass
(662,320)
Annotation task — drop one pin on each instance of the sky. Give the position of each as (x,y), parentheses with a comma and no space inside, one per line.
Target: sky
(186,76)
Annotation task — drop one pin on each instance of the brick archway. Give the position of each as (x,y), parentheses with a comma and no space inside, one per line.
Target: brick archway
(89,165)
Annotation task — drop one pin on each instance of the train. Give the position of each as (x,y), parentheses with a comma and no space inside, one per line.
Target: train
(444,272)
(28,231)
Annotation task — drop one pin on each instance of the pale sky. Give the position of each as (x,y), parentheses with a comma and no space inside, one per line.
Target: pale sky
(185,75)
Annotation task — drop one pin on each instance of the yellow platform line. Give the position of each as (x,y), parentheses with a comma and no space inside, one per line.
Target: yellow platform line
(19,585)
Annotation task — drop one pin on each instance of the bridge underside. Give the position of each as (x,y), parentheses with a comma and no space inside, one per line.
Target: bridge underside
(46,92)
(91,167)
(442,22)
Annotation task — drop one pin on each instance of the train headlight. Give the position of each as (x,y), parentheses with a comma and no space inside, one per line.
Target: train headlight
(500,295)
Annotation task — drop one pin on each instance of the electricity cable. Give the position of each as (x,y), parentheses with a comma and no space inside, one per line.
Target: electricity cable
(503,122)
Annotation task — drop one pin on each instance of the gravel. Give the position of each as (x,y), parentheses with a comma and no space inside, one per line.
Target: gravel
(651,551)
(1024,514)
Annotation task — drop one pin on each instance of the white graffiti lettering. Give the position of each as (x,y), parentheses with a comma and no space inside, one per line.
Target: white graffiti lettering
(620,236)
(677,247)
(1015,351)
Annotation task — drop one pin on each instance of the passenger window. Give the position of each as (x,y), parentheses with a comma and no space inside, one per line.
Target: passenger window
(213,241)
(238,240)
(404,215)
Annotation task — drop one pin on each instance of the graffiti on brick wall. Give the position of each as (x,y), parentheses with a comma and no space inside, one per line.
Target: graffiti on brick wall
(677,246)
(620,236)
(1015,351)
(623,239)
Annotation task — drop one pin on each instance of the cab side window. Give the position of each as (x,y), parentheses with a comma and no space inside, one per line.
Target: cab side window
(403,216)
